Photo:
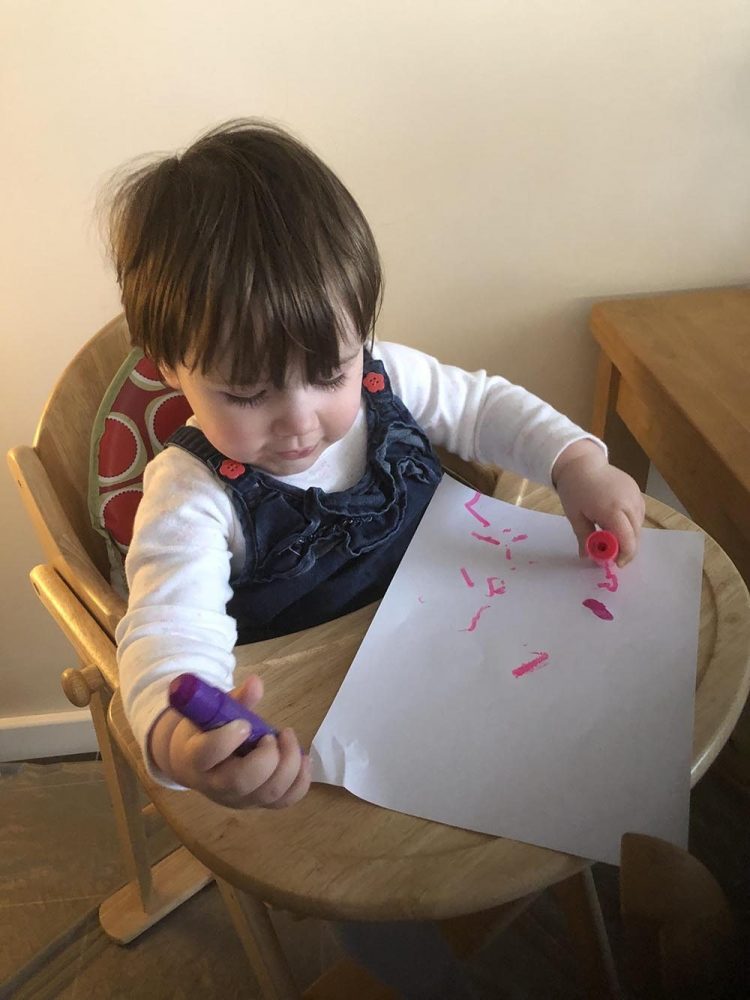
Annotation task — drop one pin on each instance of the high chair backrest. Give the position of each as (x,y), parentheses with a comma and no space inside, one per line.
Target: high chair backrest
(53,474)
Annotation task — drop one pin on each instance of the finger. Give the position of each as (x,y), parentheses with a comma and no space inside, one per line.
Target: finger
(204,751)
(636,522)
(582,528)
(249,692)
(299,787)
(281,781)
(637,515)
(237,778)
(619,524)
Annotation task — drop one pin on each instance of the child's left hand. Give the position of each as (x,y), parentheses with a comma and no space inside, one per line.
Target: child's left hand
(593,492)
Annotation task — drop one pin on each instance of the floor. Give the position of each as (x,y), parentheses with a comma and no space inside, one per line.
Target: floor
(59,859)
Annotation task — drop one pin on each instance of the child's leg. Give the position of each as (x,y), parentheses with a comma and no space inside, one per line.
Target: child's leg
(411,957)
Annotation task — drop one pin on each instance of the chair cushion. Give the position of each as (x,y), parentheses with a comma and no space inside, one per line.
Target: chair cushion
(136,417)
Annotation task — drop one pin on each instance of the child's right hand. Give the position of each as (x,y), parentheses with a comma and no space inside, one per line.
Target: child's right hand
(273,775)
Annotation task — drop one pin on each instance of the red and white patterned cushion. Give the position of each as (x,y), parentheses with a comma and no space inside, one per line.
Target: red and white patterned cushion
(137,416)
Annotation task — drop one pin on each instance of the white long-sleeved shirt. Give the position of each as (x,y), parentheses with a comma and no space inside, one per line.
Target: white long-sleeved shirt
(188,543)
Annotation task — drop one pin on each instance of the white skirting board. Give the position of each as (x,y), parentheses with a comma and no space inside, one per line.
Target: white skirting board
(56,734)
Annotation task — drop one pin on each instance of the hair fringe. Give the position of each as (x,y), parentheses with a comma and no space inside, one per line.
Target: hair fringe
(244,250)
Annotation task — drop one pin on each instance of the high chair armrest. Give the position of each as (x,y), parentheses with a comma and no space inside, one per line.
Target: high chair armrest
(87,638)
(59,540)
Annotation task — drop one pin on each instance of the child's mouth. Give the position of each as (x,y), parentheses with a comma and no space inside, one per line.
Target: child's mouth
(292,455)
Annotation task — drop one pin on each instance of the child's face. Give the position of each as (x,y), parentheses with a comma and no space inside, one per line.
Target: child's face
(281,431)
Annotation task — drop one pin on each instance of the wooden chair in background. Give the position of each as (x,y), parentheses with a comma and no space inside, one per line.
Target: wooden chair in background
(681,937)
(332,855)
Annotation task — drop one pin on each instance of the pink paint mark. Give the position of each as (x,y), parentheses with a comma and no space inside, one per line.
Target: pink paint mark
(467,579)
(505,530)
(599,609)
(470,504)
(513,569)
(532,562)
(487,538)
(507,554)
(420,599)
(526,668)
(610,583)
(519,538)
(475,619)
(492,590)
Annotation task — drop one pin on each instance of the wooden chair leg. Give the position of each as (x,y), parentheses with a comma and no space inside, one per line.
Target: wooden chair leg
(342,981)
(150,892)
(256,932)
(123,792)
(580,904)
(466,935)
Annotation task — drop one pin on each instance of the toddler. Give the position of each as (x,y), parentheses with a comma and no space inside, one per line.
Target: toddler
(250,277)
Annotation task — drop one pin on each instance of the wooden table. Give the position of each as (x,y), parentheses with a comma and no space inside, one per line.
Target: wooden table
(673,387)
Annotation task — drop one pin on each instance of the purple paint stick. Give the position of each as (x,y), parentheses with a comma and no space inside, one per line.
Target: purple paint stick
(209,707)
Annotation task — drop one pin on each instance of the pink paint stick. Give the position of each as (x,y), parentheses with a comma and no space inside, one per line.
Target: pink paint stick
(519,538)
(492,590)
(602,546)
(467,579)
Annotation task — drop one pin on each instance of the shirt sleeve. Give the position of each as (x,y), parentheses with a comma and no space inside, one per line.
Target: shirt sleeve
(178,569)
(480,417)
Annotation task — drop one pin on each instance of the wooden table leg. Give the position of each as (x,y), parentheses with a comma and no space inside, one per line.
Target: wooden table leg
(624,450)
(596,968)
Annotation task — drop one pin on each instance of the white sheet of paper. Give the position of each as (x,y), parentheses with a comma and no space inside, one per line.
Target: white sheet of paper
(593,742)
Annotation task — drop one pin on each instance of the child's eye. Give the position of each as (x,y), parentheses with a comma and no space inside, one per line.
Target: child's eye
(255,400)
(333,383)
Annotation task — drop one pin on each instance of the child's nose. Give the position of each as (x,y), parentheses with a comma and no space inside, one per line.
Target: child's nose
(296,418)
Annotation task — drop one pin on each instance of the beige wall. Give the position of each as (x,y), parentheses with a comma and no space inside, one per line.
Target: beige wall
(516,160)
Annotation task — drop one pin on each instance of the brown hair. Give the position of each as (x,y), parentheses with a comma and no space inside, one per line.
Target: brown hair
(246,251)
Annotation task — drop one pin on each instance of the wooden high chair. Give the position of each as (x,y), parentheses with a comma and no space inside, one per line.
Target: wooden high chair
(53,478)
(331,855)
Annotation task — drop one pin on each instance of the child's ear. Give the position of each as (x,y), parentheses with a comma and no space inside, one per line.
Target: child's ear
(169,377)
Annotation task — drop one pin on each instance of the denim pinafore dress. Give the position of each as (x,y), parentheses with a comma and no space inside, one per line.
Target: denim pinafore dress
(312,556)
